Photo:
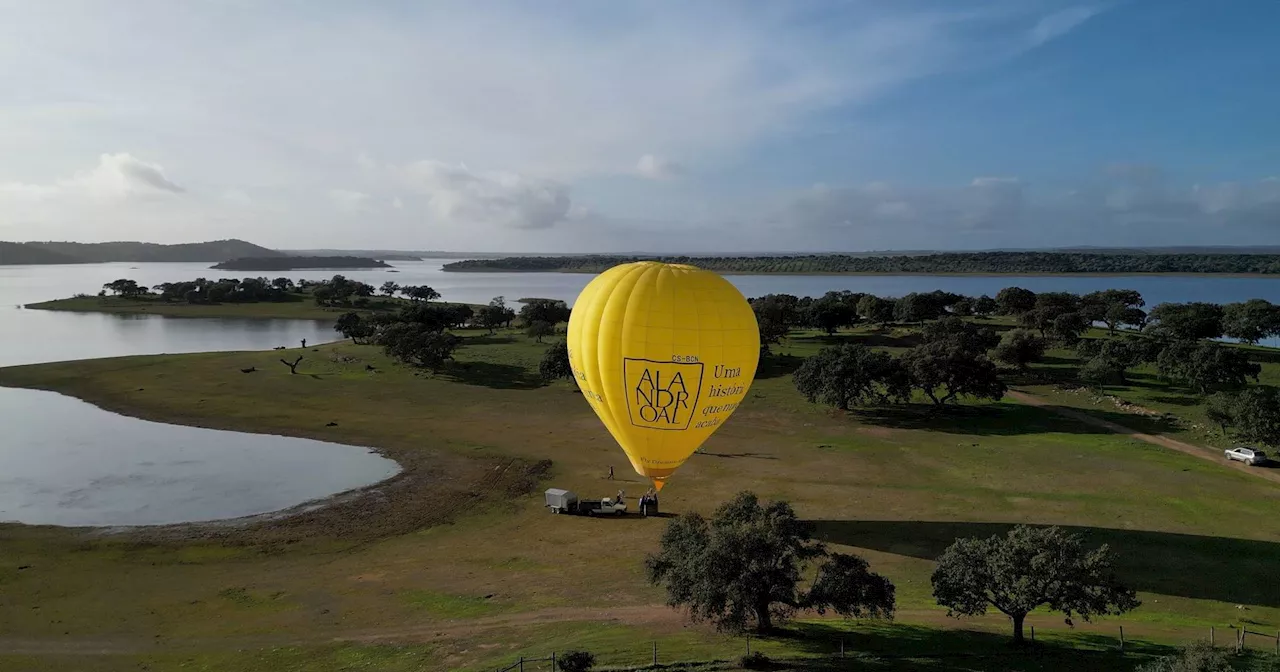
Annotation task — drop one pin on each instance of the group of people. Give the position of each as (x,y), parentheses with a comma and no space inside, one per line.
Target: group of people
(648,501)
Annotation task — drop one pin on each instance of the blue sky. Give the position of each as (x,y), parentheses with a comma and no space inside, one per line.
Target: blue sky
(588,126)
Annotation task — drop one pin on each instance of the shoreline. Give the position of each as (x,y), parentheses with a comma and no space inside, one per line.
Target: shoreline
(1274,276)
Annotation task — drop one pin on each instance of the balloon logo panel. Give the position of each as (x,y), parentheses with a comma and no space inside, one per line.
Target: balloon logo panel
(663,353)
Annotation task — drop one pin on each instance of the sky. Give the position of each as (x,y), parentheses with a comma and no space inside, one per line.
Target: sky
(642,125)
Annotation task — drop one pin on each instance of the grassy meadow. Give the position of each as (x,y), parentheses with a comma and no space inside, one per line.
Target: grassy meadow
(458,566)
(300,307)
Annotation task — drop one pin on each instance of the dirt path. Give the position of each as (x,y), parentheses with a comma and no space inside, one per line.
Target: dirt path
(1164,441)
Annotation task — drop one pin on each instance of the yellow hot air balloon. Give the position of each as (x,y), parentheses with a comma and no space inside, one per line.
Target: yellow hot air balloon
(664,353)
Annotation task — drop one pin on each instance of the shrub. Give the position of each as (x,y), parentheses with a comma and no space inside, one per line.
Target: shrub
(576,661)
(755,661)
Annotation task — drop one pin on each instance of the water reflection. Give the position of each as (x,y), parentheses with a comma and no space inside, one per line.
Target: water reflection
(67,462)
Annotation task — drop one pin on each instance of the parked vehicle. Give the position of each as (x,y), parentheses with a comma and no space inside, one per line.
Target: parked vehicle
(564,501)
(1249,456)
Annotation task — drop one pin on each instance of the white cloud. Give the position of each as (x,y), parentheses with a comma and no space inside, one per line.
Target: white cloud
(1061,22)
(655,168)
(117,176)
(461,196)
(397,203)
(348,200)
(237,197)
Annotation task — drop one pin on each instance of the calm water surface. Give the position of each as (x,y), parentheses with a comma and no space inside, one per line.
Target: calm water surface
(67,462)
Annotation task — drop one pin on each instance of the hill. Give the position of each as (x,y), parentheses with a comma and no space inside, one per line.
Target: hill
(283,263)
(13,254)
(951,262)
(216,250)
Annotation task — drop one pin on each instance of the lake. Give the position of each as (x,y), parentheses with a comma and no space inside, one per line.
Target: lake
(65,462)
(56,467)
(28,336)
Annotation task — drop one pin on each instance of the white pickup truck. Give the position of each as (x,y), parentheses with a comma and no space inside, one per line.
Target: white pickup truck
(1250,456)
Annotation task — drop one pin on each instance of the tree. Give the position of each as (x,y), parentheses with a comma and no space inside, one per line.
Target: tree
(1257,415)
(744,566)
(1025,569)
(1220,409)
(539,330)
(420,293)
(351,326)
(916,307)
(418,345)
(125,287)
(850,374)
(945,371)
(1186,321)
(1251,321)
(1118,315)
(1067,328)
(495,315)
(875,309)
(576,661)
(1019,347)
(776,314)
(1112,306)
(1099,371)
(984,306)
(555,363)
(389,288)
(1015,301)
(1194,657)
(1206,365)
(831,312)
(283,284)
(323,295)
(963,307)
(544,310)
(967,335)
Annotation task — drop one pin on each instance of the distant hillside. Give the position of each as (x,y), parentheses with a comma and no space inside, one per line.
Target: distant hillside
(954,262)
(15,254)
(385,255)
(282,263)
(216,250)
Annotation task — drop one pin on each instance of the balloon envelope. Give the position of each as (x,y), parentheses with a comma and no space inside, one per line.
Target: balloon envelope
(664,353)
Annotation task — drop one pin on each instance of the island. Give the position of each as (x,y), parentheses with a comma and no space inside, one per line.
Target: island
(298,263)
(54,252)
(952,263)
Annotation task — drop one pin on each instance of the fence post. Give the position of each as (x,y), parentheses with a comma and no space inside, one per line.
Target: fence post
(748,645)
(1122,638)
(1033,634)
(553,661)
(1211,635)
(842,644)
(521,663)
(1278,642)
(655,653)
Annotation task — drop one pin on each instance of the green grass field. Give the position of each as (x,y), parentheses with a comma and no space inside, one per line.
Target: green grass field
(462,569)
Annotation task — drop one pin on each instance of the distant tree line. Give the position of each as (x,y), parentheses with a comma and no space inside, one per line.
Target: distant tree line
(203,290)
(282,263)
(955,262)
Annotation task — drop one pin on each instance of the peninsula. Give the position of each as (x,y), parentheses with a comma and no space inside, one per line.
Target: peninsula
(953,263)
(297,263)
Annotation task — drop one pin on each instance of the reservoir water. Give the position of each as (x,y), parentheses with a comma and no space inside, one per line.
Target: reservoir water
(65,462)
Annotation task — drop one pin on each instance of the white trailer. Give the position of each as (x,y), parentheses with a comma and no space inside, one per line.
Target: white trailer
(561,501)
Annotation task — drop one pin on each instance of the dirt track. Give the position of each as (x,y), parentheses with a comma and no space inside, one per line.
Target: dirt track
(1173,444)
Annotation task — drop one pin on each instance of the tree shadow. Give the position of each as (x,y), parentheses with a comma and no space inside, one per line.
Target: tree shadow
(1176,400)
(489,339)
(777,366)
(758,456)
(877,340)
(1167,563)
(899,646)
(491,374)
(998,419)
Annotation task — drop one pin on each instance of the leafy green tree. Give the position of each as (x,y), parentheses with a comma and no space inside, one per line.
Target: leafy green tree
(1205,366)
(283,284)
(971,337)
(390,287)
(1015,301)
(1027,568)
(916,307)
(1019,347)
(540,330)
(576,661)
(1118,315)
(945,372)
(551,311)
(1257,415)
(555,363)
(1251,321)
(418,345)
(849,374)
(125,287)
(420,293)
(985,305)
(875,309)
(495,315)
(1098,372)
(831,312)
(1186,321)
(962,307)
(776,314)
(1220,409)
(744,567)
(351,326)
(1067,328)
(1112,307)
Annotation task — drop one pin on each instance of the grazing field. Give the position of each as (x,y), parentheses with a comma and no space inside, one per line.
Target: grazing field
(457,565)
